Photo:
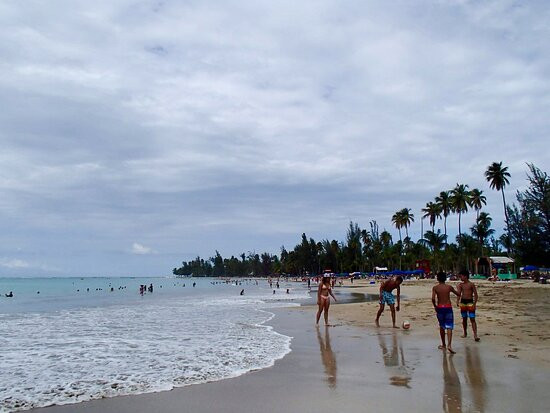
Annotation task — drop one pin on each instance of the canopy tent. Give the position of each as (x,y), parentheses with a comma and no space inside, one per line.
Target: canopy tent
(529,268)
(503,267)
(502,260)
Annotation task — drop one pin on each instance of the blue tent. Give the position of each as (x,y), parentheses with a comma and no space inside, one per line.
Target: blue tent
(530,268)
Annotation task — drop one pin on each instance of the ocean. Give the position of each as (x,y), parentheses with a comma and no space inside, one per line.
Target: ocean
(67,340)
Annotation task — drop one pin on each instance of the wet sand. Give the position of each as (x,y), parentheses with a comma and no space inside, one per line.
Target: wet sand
(355,369)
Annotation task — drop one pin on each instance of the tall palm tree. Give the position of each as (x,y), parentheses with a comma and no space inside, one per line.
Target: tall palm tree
(497,176)
(477,200)
(407,219)
(397,221)
(444,201)
(432,211)
(460,198)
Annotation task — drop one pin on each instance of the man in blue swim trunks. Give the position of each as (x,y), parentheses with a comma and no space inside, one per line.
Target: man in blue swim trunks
(444,310)
(386,297)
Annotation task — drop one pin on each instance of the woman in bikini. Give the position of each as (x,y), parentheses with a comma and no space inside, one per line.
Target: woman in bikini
(324,292)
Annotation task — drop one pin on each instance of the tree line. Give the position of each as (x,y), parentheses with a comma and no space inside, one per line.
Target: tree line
(526,237)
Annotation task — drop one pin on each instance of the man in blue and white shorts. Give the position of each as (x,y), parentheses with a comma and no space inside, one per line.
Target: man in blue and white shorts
(386,297)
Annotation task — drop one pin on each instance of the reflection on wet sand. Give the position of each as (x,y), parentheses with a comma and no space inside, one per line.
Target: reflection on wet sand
(475,378)
(452,391)
(394,359)
(327,357)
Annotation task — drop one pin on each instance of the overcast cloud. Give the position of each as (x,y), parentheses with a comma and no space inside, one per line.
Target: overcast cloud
(137,134)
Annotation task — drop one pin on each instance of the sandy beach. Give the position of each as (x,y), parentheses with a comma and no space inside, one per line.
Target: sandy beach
(355,367)
(513,317)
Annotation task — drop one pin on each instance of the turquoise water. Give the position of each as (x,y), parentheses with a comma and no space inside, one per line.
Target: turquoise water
(57,293)
(77,340)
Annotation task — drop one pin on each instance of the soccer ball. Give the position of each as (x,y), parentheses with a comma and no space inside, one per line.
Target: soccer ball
(406,325)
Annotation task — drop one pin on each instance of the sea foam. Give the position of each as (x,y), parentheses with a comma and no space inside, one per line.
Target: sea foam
(73,355)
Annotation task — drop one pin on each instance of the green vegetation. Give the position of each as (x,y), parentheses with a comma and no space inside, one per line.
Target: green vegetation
(527,237)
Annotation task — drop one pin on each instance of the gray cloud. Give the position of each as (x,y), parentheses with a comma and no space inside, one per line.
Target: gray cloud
(195,126)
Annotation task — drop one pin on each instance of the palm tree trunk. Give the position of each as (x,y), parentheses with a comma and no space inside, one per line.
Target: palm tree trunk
(400,247)
(481,247)
(459,230)
(507,225)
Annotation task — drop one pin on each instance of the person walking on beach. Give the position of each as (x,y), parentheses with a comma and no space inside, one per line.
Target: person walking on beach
(386,297)
(467,301)
(444,310)
(324,292)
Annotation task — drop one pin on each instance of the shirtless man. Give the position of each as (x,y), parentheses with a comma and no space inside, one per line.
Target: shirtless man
(444,310)
(467,301)
(386,297)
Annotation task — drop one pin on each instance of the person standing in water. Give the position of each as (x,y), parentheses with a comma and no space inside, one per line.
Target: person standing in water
(324,292)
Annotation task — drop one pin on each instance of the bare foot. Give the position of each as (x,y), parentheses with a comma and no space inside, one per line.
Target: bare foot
(477,339)
(442,347)
(463,336)
(395,326)
(451,350)
(377,323)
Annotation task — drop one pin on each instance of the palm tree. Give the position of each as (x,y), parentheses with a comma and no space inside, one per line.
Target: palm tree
(497,176)
(397,221)
(477,200)
(482,229)
(444,201)
(469,246)
(407,219)
(460,198)
(432,211)
(385,239)
(435,240)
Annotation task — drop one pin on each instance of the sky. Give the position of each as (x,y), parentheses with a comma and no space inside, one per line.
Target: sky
(135,135)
